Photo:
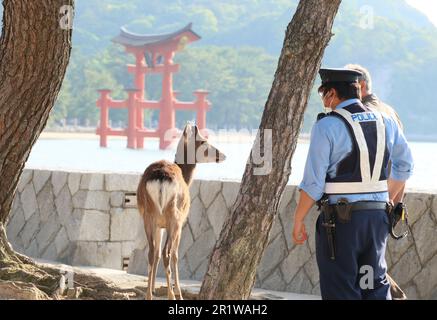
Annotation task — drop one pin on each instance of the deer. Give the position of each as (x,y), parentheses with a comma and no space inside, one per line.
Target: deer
(163,199)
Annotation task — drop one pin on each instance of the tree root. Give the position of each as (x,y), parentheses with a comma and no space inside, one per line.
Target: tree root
(23,278)
(20,291)
(44,282)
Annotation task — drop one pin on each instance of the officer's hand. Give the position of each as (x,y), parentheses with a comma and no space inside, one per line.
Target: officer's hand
(299,233)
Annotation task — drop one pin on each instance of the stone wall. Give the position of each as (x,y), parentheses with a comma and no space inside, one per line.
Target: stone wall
(75,218)
(81,219)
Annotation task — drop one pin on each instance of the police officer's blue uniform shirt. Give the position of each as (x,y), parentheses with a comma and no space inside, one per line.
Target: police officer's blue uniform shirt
(331,142)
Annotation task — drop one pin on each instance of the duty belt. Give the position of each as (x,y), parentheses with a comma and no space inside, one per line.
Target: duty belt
(343,209)
(361,205)
(342,212)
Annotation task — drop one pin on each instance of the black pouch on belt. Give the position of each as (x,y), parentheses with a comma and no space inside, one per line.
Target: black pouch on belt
(344,210)
(329,224)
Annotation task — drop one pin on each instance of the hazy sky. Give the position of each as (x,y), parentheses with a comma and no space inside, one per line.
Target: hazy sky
(428,7)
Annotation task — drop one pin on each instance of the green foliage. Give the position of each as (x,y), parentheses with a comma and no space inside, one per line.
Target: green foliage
(238,80)
(236,58)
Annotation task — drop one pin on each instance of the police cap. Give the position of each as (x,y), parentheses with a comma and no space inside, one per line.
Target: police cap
(339,75)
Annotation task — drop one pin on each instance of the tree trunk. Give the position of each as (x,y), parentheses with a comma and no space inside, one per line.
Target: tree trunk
(35,50)
(233,263)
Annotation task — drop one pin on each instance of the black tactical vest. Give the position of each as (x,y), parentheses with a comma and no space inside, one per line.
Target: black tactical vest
(365,169)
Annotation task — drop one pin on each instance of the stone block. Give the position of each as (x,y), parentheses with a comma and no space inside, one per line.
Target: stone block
(276,229)
(300,283)
(99,254)
(30,229)
(186,241)
(286,215)
(47,232)
(406,268)
(208,191)
(230,192)
(64,205)
(46,203)
(140,237)
(92,181)
(94,226)
(184,270)
(25,179)
(94,200)
(49,253)
(417,205)
(85,254)
(117,199)
(217,213)
(16,204)
(28,201)
(201,249)
(122,182)
(74,182)
(73,224)
(312,270)
(59,180)
(124,224)
(61,241)
(18,245)
(127,247)
(109,255)
(434,207)
(32,250)
(197,218)
(397,248)
(295,260)
(426,280)
(316,290)
(425,236)
(194,189)
(273,256)
(310,223)
(411,292)
(287,198)
(200,272)
(138,262)
(274,282)
(40,178)
(15,224)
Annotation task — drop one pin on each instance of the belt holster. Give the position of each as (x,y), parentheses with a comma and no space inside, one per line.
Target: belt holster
(344,210)
(328,215)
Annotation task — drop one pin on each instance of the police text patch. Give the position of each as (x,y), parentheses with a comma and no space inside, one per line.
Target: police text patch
(364,117)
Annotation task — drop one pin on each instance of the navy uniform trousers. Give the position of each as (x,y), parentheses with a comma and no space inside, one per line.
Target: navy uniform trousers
(360,242)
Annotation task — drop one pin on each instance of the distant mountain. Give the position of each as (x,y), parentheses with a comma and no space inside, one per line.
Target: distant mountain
(400,49)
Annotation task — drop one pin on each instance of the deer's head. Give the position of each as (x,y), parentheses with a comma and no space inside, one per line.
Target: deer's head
(194,148)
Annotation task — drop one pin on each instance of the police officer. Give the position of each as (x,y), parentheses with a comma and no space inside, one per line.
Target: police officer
(346,173)
(371,101)
(368,98)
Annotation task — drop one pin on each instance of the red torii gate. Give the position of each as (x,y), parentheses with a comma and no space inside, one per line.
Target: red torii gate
(153,54)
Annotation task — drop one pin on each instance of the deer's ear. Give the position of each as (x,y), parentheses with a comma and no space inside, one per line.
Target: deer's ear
(187,131)
(199,135)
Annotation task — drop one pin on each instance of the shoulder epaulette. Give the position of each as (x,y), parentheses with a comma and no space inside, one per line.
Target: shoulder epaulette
(322,115)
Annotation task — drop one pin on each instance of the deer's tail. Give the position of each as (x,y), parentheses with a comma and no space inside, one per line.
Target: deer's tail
(161,192)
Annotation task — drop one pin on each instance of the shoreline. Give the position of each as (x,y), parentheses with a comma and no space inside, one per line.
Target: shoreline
(232,136)
(228,137)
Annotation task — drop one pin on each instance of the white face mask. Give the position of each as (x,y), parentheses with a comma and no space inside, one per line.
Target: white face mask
(329,108)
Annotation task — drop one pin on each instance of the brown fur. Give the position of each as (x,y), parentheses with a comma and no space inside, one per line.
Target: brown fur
(175,179)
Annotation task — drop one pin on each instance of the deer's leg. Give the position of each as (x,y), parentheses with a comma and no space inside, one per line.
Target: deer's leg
(166,257)
(156,255)
(151,257)
(174,261)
